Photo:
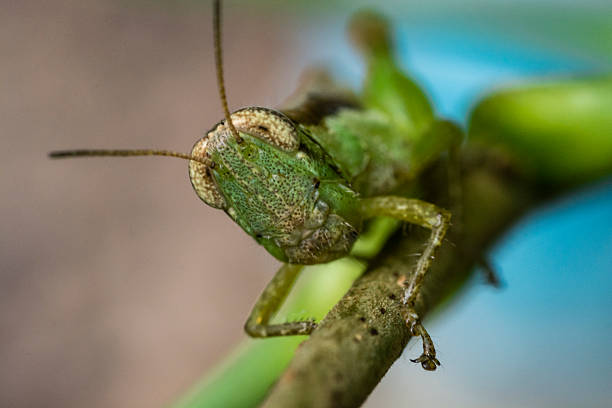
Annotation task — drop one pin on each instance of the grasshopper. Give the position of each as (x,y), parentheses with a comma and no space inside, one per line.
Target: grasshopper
(304,180)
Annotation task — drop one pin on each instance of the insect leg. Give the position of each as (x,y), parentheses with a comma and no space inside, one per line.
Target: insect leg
(429,216)
(270,301)
(489,272)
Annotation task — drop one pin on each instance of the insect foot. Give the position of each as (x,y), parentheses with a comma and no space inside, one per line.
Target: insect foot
(428,359)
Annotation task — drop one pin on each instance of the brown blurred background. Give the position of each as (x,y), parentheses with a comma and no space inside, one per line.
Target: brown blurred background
(118,286)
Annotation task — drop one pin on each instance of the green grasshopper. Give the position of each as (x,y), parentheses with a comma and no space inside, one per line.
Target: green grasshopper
(303,180)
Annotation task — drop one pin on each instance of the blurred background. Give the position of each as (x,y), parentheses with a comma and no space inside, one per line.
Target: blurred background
(118,287)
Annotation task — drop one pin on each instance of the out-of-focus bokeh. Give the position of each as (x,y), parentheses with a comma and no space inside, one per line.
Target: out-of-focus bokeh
(118,287)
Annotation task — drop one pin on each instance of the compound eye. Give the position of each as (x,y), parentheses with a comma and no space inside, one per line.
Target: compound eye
(201,178)
(269,125)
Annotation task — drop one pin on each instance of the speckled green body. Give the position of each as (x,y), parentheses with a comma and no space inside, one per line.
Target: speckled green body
(293,178)
(301,202)
(294,203)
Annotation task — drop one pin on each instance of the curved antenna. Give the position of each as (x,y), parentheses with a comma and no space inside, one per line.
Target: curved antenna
(219,67)
(59,154)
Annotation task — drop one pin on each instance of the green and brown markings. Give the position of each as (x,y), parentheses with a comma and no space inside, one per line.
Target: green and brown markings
(302,180)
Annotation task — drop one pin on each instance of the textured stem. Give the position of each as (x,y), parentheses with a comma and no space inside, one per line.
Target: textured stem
(356,343)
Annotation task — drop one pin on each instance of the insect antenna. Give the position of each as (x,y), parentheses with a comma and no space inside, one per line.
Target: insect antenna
(60,154)
(219,68)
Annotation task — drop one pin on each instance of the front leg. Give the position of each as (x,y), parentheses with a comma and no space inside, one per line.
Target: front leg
(429,216)
(270,301)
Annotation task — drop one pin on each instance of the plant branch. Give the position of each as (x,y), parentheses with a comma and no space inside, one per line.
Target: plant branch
(361,337)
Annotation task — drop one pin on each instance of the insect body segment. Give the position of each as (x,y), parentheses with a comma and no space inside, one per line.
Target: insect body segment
(278,185)
(273,128)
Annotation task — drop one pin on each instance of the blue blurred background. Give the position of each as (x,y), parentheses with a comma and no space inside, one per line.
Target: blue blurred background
(544,339)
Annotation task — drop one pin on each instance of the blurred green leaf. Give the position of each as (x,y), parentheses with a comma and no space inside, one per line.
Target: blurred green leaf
(561,132)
